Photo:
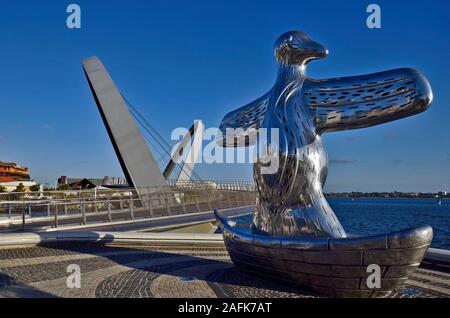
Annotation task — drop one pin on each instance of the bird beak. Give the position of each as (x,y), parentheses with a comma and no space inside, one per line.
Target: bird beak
(316,48)
(319,50)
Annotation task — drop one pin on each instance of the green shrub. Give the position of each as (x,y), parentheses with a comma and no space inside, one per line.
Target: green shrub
(20,188)
(35,187)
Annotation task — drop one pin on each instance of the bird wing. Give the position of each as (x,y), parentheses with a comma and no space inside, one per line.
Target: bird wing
(366,100)
(239,127)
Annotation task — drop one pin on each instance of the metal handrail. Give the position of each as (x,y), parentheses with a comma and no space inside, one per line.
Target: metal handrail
(128,203)
(171,184)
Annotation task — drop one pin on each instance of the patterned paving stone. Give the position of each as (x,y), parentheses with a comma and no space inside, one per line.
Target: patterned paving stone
(158,271)
(137,283)
(232,283)
(25,274)
(188,281)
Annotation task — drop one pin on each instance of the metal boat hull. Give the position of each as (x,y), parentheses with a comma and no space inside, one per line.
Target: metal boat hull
(332,267)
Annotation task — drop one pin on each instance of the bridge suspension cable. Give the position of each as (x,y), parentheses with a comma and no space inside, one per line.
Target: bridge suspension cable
(160,141)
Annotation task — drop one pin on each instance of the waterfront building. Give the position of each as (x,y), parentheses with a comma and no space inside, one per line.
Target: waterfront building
(10,172)
(90,183)
(12,185)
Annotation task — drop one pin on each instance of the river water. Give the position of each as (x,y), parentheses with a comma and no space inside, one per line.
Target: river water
(371,216)
(376,216)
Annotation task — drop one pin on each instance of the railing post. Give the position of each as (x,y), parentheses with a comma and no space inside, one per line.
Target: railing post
(83,213)
(9,210)
(175,202)
(23,220)
(131,207)
(196,203)
(29,209)
(48,209)
(183,203)
(209,202)
(56,217)
(109,209)
(219,202)
(65,204)
(150,207)
(167,205)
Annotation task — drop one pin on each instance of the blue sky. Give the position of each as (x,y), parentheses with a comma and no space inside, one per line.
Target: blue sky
(177,61)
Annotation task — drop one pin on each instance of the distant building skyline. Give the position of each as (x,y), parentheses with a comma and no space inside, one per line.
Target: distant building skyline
(178,62)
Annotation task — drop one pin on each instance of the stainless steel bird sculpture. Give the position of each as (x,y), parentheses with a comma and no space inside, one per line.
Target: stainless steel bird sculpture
(290,200)
(295,235)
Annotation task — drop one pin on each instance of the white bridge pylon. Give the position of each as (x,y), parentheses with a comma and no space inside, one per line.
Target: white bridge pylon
(193,138)
(134,155)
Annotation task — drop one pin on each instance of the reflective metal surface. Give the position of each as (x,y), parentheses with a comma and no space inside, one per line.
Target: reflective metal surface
(334,267)
(295,235)
(290,201)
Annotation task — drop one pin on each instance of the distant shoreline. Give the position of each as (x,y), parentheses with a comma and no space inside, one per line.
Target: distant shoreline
(387,198)
(387,195)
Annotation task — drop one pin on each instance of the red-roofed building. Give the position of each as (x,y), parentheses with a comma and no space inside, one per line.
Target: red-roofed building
(10,172)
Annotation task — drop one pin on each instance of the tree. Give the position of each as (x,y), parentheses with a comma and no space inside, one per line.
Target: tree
(35,187)
(2,189)
(64,187)
(20,188)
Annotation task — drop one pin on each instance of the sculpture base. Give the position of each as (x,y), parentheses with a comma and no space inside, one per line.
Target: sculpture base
(332,267)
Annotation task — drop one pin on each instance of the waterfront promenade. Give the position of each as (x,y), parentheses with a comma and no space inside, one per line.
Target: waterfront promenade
(131,260)
(158,271)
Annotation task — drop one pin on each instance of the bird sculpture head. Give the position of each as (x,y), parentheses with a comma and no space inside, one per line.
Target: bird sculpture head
(297,48)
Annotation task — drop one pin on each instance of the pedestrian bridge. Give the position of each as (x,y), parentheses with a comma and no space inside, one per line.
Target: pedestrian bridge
(54,209)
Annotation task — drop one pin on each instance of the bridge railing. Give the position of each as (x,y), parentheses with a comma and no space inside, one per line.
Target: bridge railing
(55,208)
(216,184)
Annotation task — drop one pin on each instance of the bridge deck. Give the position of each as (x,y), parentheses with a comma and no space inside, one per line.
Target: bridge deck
(121,221)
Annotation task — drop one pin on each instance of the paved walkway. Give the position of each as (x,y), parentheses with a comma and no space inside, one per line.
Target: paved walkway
(176,271)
